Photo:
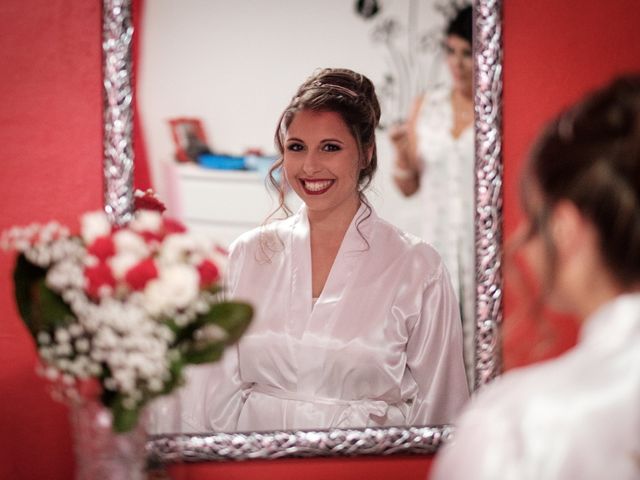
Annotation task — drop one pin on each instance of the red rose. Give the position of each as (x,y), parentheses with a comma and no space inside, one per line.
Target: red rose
(102,247)
(209,273)
(151,237)
(173,226)
(97,277)
(148,201)
(138,275)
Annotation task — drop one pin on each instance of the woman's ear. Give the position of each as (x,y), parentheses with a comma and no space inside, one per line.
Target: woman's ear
(565,225)
(572,233)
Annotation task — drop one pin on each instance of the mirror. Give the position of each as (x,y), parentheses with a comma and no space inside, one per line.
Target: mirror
(269,102)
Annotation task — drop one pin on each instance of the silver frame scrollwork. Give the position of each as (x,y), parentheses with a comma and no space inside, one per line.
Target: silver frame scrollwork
(487,39)
(118,203)
(117,35)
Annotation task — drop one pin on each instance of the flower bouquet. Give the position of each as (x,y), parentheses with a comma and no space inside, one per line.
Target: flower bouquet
(117,312)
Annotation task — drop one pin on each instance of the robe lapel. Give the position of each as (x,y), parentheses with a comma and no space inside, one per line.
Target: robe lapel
(310,328)
(351,253)
(300,289)
(317,337)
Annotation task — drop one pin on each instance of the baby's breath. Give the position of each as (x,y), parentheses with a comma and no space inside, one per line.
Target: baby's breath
(120,334)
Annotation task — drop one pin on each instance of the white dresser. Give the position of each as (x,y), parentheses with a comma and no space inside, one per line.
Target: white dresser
(220,203)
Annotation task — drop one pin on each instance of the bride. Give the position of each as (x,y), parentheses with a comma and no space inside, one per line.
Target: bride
(356,322)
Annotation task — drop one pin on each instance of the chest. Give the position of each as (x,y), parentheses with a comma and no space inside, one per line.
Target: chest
(323,256)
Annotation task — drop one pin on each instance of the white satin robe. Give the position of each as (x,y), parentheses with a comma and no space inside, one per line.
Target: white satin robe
(381,346)
(574,417)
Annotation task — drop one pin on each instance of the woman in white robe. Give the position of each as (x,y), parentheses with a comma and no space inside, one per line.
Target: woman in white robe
(576,416)
(356,322)
(434,157)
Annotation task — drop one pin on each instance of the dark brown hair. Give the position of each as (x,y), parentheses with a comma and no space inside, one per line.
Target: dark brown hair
(353,97)
(461,24)
(590,156)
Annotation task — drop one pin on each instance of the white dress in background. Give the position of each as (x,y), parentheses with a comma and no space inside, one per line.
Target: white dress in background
(381,346)
(447,189)
(574,417)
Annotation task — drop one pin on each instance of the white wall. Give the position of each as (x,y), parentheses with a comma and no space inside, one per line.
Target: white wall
(236,63)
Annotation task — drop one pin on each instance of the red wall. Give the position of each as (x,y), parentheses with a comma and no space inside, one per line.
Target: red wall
(50,154)
(554,51)
(50,138)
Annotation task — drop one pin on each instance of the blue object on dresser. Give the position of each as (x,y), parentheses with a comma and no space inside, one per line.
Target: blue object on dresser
(221,162)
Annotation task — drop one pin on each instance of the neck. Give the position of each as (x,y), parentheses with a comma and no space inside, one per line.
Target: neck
(599,290)
(331,222)
(465,92)
(595,300)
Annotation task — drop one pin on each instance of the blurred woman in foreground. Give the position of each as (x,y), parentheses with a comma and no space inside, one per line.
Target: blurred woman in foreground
(577,416)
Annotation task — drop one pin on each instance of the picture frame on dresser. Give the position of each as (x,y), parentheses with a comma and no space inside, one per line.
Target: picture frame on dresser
(189,137)
(118,199)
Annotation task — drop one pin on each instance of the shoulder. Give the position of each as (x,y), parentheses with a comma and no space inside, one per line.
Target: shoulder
(437,97)
(267,237)
(435,107)
(441,94)
(405,247)
(492,421)
(538,394)
(529,414)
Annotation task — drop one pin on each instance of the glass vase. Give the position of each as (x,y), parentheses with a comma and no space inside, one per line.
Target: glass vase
(100,452)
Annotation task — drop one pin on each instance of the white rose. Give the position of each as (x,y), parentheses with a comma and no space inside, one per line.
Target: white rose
(203,250)
(128,242)
(121,263)
(146,221)
(175,288)
(176,248)
(94,225)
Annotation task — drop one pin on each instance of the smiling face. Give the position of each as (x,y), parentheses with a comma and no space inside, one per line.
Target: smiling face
(460,61)
(321,163)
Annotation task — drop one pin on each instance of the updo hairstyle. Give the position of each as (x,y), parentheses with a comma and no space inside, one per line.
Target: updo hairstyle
(353,97)
(461,25)
(590,156)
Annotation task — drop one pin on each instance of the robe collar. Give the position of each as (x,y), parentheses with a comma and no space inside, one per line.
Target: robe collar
(614,324)
(353,250)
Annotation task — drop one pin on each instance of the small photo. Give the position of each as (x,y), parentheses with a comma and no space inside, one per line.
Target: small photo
(189,138)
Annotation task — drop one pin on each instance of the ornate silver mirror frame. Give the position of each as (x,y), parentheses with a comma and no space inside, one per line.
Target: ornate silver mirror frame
(118,203)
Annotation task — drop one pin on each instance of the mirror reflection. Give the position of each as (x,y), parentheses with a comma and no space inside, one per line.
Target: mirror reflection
(357,323)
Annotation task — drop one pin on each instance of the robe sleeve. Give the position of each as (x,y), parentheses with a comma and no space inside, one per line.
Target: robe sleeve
(214,394)
(213,397)
(435,355)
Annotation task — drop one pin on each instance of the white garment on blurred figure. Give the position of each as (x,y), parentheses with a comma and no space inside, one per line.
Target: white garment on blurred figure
(382,345)
(448,197)
(574,417)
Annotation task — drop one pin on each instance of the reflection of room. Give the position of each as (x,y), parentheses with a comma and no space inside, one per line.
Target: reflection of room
(223,63)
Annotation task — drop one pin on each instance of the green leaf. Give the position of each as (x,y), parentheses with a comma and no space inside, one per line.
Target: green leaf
(233,317)
(41,309)
(54,310)
(175,380)
(203,354)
